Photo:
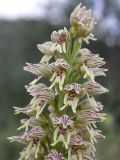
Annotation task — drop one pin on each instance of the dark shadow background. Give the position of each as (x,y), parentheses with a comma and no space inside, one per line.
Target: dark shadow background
(18,41)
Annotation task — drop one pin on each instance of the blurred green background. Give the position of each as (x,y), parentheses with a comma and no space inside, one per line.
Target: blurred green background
(18,39)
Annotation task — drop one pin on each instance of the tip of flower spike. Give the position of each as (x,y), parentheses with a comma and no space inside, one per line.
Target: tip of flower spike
(77,7)
(83,21)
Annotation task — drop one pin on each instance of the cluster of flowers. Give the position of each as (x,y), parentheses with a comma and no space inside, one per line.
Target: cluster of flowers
(62,118)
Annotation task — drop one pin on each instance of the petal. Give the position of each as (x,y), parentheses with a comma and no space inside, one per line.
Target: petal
(40,69)
(46,48)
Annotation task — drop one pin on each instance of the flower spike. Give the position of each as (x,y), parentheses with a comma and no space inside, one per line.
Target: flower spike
(62,116)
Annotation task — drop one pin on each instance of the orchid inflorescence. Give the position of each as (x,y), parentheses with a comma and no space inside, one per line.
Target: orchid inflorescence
(61,118)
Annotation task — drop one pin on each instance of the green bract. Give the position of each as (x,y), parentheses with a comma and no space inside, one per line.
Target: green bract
(61,118)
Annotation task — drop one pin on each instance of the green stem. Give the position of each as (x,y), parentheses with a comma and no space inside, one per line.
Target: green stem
(69,46)
(76,48)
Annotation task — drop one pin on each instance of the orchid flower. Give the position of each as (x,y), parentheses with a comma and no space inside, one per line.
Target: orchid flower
(71,98)
(63,130)
(90,64)
(76,145)
(32,139)
(60,73)
(59,39)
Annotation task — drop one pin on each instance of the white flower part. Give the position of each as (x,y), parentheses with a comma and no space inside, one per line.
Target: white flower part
(62,131)
(61,36)
(34,133)
(32,138)
(91,116)
(54,155)
(94,88)
(32,121)
(28,110)
(90,37)
(82,20)
(89,59)
(99,71)
(42,95)
(87,156)
(71,98)
(35,107)
(90,64)
(41,69)
(40,91)
(88,72)
(46,48)
(59,75)
(77,144)
(59,39)
(77,140)
(64,121)
(90,103)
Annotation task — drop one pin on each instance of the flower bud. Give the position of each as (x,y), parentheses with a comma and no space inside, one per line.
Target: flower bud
(46,48)
(82,20)
(94,88)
